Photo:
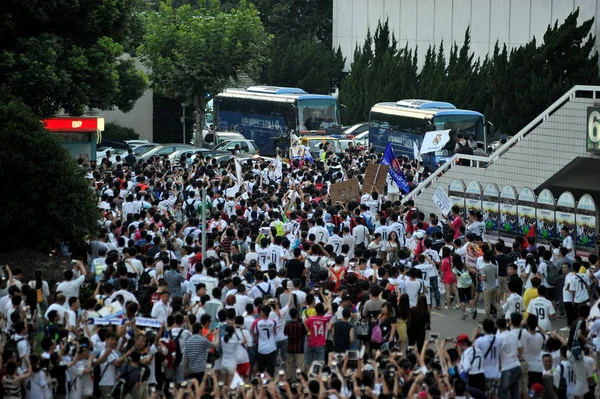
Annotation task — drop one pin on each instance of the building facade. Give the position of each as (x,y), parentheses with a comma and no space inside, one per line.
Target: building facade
(422,23)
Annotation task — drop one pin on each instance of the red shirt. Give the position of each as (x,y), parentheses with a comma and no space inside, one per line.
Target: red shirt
(456,223)
(317,327)
(446,269)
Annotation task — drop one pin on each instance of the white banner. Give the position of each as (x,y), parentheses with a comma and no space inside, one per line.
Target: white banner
(115,321)
(147,322)
(442,201)
(435,141)
(416,153)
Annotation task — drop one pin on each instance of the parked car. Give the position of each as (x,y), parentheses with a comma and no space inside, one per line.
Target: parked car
(116,147)
(143,148)
(360,140)
(312,142)
(246,146)
(355,130)
(165,150)
(212,139)
(133,143)
(178,155)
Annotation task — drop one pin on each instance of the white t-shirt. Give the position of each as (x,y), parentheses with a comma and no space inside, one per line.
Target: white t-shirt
(570,285)
(264,258)
(568,244)
(510,351)
(471,361)
(240,303)
(427,270)
(160,311)
(360,233)
(581,282)
(336,242)
(265,331)
(532,349)
(71,288)
(241,355)
(543,309)
(60,309)
(413,288)
(283,314)
(276,255)
(491,362)
(514,304)
(107,369)
(230,348)
(568,373)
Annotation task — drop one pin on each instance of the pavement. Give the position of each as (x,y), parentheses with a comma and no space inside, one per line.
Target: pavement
(448,323)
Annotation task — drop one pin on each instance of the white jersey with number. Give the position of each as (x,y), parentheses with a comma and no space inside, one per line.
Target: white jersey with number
(336,242)
(543,309)
(384,231)
(276,255)
(582,283)
(264,258)
(565,370)
(514,304)
(265,331)
(489,347)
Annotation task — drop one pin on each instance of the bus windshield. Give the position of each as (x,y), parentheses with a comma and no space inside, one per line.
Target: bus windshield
(318,114)
(470,126)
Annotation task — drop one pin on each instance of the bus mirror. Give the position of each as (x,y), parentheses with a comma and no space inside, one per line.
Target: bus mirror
(491,130)
(343,112)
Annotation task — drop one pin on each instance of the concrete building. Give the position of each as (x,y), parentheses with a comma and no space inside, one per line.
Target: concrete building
(139,118)
(427,22)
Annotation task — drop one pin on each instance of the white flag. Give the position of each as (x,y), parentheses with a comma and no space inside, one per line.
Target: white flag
(417,154)
(238,170)
(435,141)
(278,168)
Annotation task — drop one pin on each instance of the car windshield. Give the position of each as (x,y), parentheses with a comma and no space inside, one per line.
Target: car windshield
(142,149)
(314,144)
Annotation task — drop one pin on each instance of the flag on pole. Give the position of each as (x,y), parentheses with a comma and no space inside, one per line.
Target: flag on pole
(395,170)
(530,233)
(278,168)
(238,170)
(434,141)
(416,152)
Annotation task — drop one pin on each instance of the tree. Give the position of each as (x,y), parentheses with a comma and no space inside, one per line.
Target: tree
(53,201)
(66,55)
(118,132)
(195,53)
(307,64)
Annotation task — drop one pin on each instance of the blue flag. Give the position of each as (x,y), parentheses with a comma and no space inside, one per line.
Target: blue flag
(395,171)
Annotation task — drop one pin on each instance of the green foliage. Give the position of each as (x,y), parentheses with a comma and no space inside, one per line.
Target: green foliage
(307,64)
(54,201)
(65,55)
(510,88)
(118,132)
(380,70)
(293,19)
(194,53)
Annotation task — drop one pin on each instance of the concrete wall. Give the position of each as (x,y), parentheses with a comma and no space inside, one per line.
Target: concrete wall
(139,118)
(427,22)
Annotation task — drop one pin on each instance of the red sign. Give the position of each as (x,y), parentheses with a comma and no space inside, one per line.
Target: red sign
(71,124)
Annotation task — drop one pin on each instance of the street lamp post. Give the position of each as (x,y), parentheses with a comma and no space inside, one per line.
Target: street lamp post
(183,121)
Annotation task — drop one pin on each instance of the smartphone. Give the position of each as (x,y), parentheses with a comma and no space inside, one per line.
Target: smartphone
(324,378)
(315,368)
(183,384)
(298,372)
(208,367)
(281,373)
(172,385)
(352,355)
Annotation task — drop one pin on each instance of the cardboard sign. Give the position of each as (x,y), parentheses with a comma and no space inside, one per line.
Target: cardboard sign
(345,191)
(375,178)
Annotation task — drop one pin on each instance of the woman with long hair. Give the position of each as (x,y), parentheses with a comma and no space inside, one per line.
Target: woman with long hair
(448,278)
(229,345)
(402,317)
(464,282)
(417,323)
(391,247)
(388,324)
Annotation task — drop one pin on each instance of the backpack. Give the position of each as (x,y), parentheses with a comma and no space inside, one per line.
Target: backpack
(561,391)
(123,386)
(190,233)
(315,268)
(178,353)
(552,273)
(265,294)
(377,334)
(464,279)
(11,345)
(189,209)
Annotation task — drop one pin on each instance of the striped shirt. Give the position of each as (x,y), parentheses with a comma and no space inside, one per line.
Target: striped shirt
(295,332)
(196,351)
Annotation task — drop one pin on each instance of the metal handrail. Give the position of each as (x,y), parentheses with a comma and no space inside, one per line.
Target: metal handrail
(489,160)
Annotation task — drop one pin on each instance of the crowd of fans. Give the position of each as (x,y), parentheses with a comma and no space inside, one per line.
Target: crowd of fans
(296,296)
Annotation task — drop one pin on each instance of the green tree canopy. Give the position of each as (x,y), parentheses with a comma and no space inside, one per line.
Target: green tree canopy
(66,55)
(307,64)
(194,53)
(53,201)
(115,131)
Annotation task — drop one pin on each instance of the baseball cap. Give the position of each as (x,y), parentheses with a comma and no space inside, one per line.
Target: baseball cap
(328,218)
(462,338)
(419,234)
(536,390)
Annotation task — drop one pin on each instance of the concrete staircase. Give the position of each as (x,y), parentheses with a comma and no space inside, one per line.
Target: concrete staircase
(529,158)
